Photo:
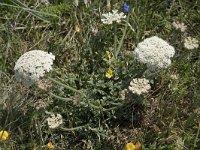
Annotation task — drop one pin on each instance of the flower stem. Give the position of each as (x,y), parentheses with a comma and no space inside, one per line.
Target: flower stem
(108,5)
(102,108)
(75,128)
(61,98)
(115,39)
(122,39)
(65,86)
(196,139)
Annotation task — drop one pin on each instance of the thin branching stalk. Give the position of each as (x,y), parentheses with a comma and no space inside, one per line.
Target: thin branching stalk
(61,98)
(197,138)
(65,86)
(122,39)
(75,128)
(108,5)
(102,108)
(115,39)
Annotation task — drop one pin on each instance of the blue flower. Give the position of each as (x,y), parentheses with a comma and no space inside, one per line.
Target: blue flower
(125,7)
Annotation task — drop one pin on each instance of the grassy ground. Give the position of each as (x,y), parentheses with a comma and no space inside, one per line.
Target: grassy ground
(166,118)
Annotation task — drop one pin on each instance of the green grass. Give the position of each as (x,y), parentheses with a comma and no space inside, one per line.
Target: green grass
(96,117)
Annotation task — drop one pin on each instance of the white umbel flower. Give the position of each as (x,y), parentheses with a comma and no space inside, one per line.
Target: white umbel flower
(33,65)
(179,26)
(54,121)
(155,53)
(115,16)
(139,86)
(191,43)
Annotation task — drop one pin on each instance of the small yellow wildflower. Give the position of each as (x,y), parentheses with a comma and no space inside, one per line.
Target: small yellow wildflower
(77,28)
(3,135)
(130,146)
(50,145)
(109,73)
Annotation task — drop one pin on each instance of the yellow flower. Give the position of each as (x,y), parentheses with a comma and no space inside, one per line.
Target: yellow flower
(3,135)
(109,73)
(50,145)
(130,146)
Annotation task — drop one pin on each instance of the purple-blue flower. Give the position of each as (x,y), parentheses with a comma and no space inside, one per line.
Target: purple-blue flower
(125,7)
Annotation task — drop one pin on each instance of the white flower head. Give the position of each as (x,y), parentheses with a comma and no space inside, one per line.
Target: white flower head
(191,43)
(139,86)
(33,65)
(155,53)
(54,121)
(115,16)
(179,26)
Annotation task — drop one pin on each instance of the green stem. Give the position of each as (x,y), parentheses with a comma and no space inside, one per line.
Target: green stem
(122,39)
(75,128)
(196,139)
(93,106)
(102,108)
(108,5)
(111,108)
(116,104)
(65,86)
(61,98)
(115,38)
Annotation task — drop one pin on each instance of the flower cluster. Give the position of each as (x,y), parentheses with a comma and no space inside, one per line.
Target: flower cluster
(115,16)
(109,73)
(179,26)
(139,86)
(33,65)
(155,53)
(54,121)
(191,43)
